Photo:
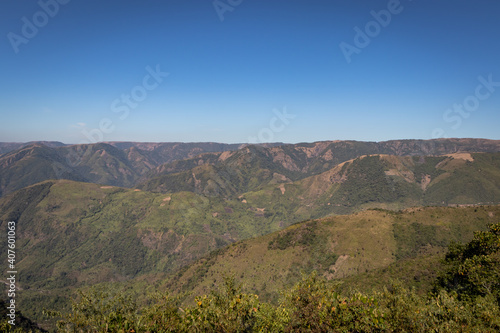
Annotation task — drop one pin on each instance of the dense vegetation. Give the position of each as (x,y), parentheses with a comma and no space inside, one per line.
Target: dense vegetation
(367,249)
(74,235)
(22,324)
(465,299)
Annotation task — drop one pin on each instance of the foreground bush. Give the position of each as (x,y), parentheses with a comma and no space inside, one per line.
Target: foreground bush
(99,311)
(315,307)
(312,305)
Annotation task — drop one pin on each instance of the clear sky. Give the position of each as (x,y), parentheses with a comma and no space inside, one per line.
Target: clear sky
(248,70)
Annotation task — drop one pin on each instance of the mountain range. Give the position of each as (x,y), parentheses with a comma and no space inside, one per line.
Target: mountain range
(130,164)
(179,216)
(113,163)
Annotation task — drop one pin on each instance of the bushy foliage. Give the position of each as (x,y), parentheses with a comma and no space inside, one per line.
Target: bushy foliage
(313,305)
(99,311)
(465,299)
(474,268)
(227,310)
(299,236)
(163,315)
(412,237)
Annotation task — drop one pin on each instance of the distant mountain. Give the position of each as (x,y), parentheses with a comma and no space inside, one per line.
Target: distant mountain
(6,147)
(32,164)
(387,181)
(78,226)
(165,152)
(120,164)
(153,165)
(222,174)
(130,232)
(253,168)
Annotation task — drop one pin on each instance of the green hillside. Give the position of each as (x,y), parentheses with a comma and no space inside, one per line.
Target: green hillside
(340,247)
(66,221)
(464,298)
(226,174)
(385,181)
(74,234)
(22,324)
(251,168)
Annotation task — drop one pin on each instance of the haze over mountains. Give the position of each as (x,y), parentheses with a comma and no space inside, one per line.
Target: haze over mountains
(130,212)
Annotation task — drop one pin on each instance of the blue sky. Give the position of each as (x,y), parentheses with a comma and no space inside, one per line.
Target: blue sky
(248,70)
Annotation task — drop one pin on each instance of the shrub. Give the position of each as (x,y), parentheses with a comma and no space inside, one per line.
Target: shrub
(99,311)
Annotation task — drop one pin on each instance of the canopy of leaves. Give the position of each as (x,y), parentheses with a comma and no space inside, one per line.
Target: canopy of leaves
(473,269)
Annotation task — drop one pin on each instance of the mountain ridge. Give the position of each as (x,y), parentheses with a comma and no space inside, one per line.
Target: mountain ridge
(130,163)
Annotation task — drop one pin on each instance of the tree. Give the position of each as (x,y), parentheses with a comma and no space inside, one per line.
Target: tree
(473,269)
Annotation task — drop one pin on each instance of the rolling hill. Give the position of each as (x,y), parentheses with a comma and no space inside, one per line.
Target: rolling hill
(373,181)
(6,147)
(395,182)
(30,165)
(352,248)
